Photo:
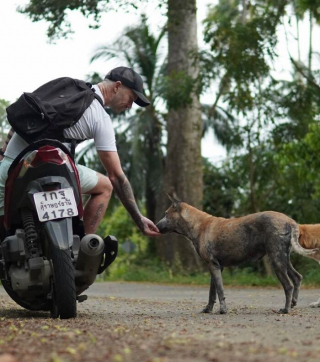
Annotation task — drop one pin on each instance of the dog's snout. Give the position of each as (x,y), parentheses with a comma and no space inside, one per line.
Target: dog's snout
(162,226)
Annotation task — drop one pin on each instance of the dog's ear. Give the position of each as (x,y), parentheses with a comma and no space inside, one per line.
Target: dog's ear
(175,202)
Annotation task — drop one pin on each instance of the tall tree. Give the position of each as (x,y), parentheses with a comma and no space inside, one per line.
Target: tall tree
(183,167)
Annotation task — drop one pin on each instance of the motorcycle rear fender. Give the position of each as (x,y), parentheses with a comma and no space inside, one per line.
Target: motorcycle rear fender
(60,233)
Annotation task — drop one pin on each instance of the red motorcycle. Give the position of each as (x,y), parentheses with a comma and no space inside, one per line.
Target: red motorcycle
(46,260)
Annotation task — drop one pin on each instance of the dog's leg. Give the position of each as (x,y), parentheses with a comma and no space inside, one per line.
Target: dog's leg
(315,304)
(280,268)
(296,279)
(212,297)
(215,271)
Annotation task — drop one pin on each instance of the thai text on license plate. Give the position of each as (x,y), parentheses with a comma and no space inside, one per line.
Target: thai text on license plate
(55,204)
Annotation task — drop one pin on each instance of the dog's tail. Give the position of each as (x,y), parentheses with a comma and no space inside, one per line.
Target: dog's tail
(298,236)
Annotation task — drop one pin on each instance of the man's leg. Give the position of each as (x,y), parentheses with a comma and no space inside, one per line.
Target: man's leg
(99,188)
(96,206)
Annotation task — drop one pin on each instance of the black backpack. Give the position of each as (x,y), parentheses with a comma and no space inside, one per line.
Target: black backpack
(47,111)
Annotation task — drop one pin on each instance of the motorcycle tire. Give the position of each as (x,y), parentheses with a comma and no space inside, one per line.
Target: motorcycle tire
(64,299)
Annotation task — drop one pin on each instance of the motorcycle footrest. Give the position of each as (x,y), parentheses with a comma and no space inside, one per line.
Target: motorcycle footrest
(82,298)
(110,252)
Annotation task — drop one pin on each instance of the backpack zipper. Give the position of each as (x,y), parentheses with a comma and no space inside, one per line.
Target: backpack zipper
(33,103)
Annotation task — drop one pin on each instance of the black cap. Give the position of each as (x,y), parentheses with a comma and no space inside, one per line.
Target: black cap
(129,78)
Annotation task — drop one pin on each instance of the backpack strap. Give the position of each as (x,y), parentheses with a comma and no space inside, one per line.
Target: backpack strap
(98,98)
(73,147)
(73,142)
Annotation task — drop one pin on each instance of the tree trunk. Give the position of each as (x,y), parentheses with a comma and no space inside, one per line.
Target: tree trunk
(183,167)
(244,11)
(310,42)
(298,38)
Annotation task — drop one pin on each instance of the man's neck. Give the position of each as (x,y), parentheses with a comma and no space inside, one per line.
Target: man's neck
(106,93)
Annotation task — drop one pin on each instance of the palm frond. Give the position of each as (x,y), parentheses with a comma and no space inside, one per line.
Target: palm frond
(223,124)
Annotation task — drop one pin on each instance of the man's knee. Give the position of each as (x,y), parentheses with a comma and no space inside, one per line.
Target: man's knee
(106,185)
(103,187)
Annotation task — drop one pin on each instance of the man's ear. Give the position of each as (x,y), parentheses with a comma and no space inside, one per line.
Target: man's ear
(117,86)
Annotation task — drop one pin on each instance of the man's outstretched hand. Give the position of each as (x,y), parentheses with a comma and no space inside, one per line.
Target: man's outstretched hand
(149,228)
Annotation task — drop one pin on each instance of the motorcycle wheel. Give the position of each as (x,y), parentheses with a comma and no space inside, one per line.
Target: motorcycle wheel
(64,299)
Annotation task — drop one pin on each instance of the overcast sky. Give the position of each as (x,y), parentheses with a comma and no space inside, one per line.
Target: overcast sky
(28,60)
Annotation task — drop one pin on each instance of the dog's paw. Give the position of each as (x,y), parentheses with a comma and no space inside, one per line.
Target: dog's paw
(293,303)
(315,304)
(283,311)
(223,311)
(207,310)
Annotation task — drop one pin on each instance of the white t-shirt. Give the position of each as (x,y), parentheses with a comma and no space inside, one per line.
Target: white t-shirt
(94,124)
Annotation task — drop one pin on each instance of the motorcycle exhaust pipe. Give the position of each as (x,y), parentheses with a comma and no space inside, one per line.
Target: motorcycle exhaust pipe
(89,260)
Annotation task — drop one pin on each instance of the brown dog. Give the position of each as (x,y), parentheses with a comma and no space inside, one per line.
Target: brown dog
(226,242)
(309,238)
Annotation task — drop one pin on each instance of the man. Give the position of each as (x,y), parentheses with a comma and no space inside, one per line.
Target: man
(121,87)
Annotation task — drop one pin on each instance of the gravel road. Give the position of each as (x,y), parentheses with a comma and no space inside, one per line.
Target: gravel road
(128,322)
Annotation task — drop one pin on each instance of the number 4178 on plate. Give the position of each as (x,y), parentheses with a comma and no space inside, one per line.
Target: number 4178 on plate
(55,204)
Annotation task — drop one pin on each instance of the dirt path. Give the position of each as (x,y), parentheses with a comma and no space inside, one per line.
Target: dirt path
(128,322)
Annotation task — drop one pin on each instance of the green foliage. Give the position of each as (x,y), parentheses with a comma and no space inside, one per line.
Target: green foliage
(176,89)
(94,78)
(3,105)
(242,38)
(152,270)
(55,12)
(300,165)
(219,190)
(242,42)
(285,181)
(120,224)
(302,6)
(4,125)
(300,102)
(225,126)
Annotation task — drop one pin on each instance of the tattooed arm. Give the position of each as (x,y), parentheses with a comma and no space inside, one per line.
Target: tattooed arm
(122,187)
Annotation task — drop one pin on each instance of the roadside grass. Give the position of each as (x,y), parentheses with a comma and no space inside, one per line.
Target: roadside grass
(155,272)
(154,275)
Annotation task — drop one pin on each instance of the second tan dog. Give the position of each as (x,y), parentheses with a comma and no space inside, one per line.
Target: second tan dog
(226,242)
(309,238)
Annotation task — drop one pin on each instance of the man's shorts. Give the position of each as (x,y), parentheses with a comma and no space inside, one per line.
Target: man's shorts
(88,179)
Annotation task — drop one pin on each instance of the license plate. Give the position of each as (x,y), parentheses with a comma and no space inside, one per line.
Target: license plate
(55,204)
